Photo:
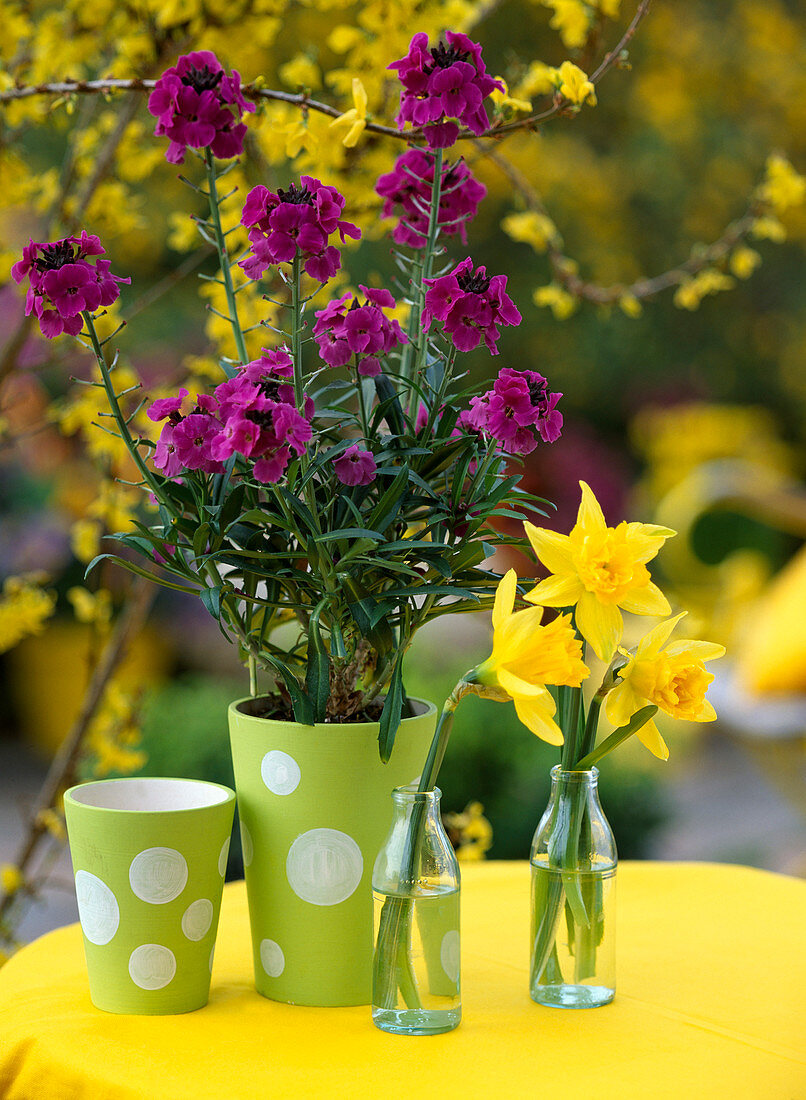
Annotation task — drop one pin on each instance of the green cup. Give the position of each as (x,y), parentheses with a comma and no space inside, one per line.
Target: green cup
(149,857)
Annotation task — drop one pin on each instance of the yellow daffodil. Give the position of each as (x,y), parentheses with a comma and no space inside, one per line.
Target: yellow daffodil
(356,117)
(599,569)
(675,679)
(526,656)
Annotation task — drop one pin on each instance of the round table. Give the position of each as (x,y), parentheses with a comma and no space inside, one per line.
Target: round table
(710,1004)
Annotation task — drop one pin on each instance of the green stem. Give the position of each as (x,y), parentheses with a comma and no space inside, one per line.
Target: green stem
(223,256)
(296,333)
(120,419)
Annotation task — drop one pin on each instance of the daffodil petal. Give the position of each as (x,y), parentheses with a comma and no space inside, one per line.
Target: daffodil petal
(600,624)
(652,642)
(702,651)
(560,591)
(649,736)
(590,516)
(621,704)
(706,713)
(536,718)
(504,598)
(518,634)
(648,600)
(553,549)
(514,686)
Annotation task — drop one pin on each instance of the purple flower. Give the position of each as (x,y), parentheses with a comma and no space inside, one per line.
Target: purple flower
(444,87)
(471,305)
(193,438)
(345,331)
(197,104)
(355,467)
(62,283)
(165,456)
(518,405)
(409,185)
(295,222)
(166,407)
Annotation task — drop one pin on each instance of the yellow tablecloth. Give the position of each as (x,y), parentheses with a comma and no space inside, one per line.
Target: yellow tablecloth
(710,1004)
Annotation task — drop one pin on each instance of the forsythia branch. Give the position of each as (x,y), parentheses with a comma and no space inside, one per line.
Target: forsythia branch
(306,103)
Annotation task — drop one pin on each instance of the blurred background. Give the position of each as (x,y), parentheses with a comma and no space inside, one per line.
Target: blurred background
(657,256)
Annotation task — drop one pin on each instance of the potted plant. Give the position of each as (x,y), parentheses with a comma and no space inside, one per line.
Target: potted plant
(327,499)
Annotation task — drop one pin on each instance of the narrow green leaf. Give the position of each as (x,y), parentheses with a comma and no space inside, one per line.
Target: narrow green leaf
(317,677)
(640,718)
(392,712)
(303,708)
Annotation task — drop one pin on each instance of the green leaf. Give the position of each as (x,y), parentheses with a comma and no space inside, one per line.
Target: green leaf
(303,708)
(211,598)
(392,712)
(389,408)
(640,718)
(132,568)
(350,533)
(317,677)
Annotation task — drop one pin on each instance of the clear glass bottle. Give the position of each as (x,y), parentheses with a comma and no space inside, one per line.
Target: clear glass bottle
(415,885)
(573,897)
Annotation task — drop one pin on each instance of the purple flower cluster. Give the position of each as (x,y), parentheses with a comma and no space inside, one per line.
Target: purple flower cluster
(196,103)
(252,414)
(62,282)
(355,466)
(518,405)
(443,87)
(364,331)
(298,221)
(409,185)
(471,305)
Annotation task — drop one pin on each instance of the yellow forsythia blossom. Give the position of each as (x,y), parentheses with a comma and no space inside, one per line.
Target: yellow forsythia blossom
(674,678)
(11,879)
(532,228)
(744,261)
(574,84)
(85,539)
(301,72)
(91,607)
(24,607)
(692,291)
(471,832)
(526,656)
(356,118)
(783,187)
(540,79)
(571,19)
(630,305)
(503,100)
(599,569)
(53,823)
(559,301)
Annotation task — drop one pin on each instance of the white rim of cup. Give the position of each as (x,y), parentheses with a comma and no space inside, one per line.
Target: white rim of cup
(166,795)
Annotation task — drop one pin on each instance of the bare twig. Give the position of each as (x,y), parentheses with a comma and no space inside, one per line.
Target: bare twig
(564,270)
(62,770)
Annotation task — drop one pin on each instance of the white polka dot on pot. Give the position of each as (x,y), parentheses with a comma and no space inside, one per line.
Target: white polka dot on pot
(272,958)
(222,857)
(152,966)
(158,875)
(280,772)
(247,848)
(324,866)
(197,918)
(98,908)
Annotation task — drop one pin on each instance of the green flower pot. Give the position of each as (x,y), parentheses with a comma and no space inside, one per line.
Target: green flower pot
(149,857)
(314,805)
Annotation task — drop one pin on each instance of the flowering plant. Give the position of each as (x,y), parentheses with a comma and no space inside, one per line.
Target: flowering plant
(346,478)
